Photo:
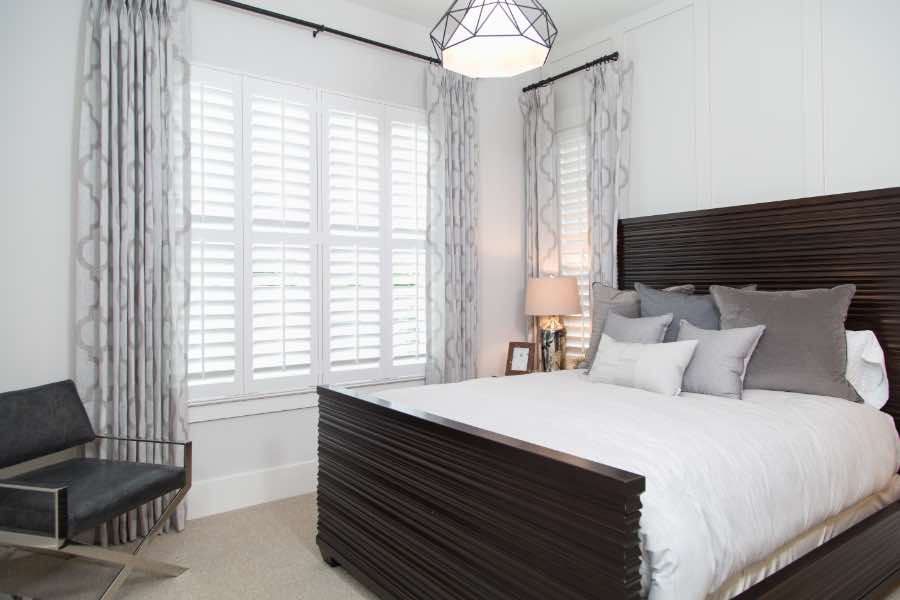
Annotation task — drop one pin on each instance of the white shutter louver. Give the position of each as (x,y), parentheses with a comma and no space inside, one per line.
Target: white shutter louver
(408,285)
(214,151)
(354,169)
(212,343)
(281,161)
(282,310)
(409,179)
(354,307)
(575,243)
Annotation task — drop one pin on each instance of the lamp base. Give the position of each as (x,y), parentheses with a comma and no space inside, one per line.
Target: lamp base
(553,349)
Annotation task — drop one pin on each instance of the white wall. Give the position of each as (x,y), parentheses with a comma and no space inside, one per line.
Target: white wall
(739,101)
(39,74)
(501,237)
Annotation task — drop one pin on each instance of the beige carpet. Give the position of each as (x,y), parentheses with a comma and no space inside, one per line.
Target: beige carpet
(266,551)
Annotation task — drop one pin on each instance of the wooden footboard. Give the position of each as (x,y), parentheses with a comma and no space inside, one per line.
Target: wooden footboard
(416,506)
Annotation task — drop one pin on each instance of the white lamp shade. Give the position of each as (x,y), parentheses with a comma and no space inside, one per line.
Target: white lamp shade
(494,56)
(551,296)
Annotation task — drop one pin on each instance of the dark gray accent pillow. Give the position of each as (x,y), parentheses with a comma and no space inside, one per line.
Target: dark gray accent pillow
(700,309)
(649,330)
(804,348)
(720,359)
(605,299)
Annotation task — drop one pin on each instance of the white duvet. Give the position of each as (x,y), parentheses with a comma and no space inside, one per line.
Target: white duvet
(727,481)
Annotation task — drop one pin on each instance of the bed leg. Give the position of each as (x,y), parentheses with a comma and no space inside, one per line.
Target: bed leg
(328,555)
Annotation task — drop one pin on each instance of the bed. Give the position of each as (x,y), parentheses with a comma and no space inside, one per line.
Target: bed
(485,490)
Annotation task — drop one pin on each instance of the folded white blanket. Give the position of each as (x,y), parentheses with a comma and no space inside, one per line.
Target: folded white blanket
(728,481)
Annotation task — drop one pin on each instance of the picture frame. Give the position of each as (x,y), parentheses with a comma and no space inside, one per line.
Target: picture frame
(520,358)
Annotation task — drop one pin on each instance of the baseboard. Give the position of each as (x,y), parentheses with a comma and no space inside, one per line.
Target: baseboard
(241,490)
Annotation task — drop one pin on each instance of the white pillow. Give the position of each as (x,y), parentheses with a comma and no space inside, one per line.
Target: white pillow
(656,368)
(866,370)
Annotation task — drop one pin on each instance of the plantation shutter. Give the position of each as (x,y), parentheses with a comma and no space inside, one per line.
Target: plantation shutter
(353,134)
(280,142)
(354,307)
(408,199)
(214,336)
(574,239)
(355,202)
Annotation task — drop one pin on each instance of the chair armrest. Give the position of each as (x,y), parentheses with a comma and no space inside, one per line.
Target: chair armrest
(24,522)
(144,440)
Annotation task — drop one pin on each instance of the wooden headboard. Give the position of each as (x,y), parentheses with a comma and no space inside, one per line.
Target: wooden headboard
(793,244)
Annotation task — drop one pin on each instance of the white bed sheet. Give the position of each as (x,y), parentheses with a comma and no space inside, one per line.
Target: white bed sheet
(728,482)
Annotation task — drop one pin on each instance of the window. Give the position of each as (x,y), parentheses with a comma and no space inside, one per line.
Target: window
(308,259)
(575,247)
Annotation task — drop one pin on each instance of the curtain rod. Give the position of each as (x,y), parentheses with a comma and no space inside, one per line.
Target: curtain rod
(588,65)
(317,29)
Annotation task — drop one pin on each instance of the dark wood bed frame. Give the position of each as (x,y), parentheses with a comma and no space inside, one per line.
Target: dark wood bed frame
(418,507)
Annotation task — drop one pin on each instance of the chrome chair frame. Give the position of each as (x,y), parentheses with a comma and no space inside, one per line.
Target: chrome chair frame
(61,546)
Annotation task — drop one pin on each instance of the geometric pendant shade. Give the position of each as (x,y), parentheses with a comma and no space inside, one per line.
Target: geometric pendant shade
(494,38)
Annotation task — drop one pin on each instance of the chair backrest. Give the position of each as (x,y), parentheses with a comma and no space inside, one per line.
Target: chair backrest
(40,421)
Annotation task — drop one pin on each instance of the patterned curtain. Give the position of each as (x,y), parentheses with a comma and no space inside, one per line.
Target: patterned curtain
(452,255)
(133,257)
(608,104)
(542,243)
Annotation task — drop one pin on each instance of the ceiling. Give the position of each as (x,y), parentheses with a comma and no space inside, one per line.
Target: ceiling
(574,18)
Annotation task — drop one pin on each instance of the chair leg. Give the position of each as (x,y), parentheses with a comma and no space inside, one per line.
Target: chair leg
(134,560)
(148,565)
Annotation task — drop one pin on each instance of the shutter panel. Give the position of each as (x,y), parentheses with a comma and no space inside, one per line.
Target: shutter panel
(215,116)
(575,246)
(353,182)
(281,157)
(214,340)
(280,146)
(282,310)
(212,343)
(409,178)
(354,307)
(408,285)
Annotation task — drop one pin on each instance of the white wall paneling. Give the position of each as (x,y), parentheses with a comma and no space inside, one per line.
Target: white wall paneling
(861,82)
(664,135)
(756,100)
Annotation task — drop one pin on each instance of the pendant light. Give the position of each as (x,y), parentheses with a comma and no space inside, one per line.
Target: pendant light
(494,38)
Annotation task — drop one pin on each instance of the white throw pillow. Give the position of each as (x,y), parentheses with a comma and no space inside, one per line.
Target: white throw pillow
(866,370)
(656,368)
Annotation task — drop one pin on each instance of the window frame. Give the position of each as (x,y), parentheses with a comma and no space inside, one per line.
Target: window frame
(285,393)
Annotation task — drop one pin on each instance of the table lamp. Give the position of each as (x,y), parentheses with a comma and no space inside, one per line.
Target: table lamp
(550,298)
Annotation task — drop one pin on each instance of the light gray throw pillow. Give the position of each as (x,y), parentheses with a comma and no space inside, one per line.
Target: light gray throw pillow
(657,368)
(699,310)
(648,330)
(804,348)
(605,299)
(720,360)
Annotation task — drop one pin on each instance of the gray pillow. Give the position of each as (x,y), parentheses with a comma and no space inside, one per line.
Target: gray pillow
(720,359)
(700,310)
(605,299)
(649,330)
(804,348)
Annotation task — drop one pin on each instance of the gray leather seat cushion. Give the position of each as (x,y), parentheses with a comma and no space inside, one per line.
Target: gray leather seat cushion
(97,491)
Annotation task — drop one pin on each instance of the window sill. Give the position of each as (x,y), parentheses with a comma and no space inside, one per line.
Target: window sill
(233,407)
